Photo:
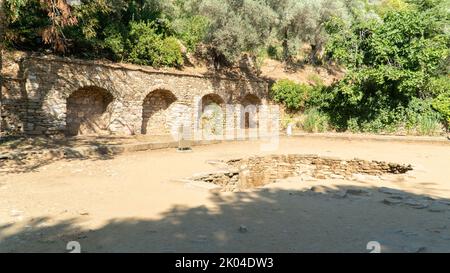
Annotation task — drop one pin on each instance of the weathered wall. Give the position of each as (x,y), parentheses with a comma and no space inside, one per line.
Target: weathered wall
(36,92)
(13,104)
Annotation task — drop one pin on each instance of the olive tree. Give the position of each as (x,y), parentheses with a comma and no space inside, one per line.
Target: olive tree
(237,26)
(303,21)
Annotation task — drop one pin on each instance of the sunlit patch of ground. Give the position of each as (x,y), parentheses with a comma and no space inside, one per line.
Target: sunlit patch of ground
(135,202)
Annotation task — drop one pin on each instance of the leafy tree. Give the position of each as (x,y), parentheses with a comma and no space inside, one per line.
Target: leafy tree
(304,21)
(236,27)
(386,6)
(59,16)
(191,30)
(391,62)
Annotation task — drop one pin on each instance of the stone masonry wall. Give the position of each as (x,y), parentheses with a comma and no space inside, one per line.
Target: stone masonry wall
(37,89)
(88,111)
(156,108)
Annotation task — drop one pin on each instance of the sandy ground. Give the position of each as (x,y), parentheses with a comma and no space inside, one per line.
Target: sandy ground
(130,203)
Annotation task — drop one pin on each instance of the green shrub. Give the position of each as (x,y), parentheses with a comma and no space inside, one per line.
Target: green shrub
(352,125)
(439,85)
(115,41)
(191,30)
(170,53)
(260,57)
(315,121)
(149,48)
(418,118)
(421,118)
(275,52)
(374,126)
(292,94)
(428,126)
(319,95)
(442,104)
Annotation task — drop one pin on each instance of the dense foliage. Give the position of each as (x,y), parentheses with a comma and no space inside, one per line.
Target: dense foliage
(293,95)
(228,28)
(442,104)
(143,32)
(396,63)
(395,52)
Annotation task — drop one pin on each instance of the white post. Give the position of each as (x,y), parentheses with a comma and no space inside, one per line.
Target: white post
(289,129)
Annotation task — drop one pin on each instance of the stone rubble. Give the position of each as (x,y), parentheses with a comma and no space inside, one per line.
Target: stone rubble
(258,171)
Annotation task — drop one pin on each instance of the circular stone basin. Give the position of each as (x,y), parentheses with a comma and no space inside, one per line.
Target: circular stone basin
(257,171)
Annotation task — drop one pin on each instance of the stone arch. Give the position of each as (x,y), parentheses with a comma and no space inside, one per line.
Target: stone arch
(156,109)
(250,119)
(212,99)
(212,116)
(88,111)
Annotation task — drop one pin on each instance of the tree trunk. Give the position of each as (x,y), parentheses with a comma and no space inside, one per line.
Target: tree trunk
(216,60)
(314,55)
(285,44)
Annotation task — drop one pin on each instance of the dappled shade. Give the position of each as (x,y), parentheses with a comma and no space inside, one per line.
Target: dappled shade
(266,220)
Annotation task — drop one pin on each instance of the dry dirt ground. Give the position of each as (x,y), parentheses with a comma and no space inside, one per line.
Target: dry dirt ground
(132,203)
(276,70)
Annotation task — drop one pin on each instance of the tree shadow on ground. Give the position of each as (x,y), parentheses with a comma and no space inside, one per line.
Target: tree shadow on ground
(342,219)
(27,154)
